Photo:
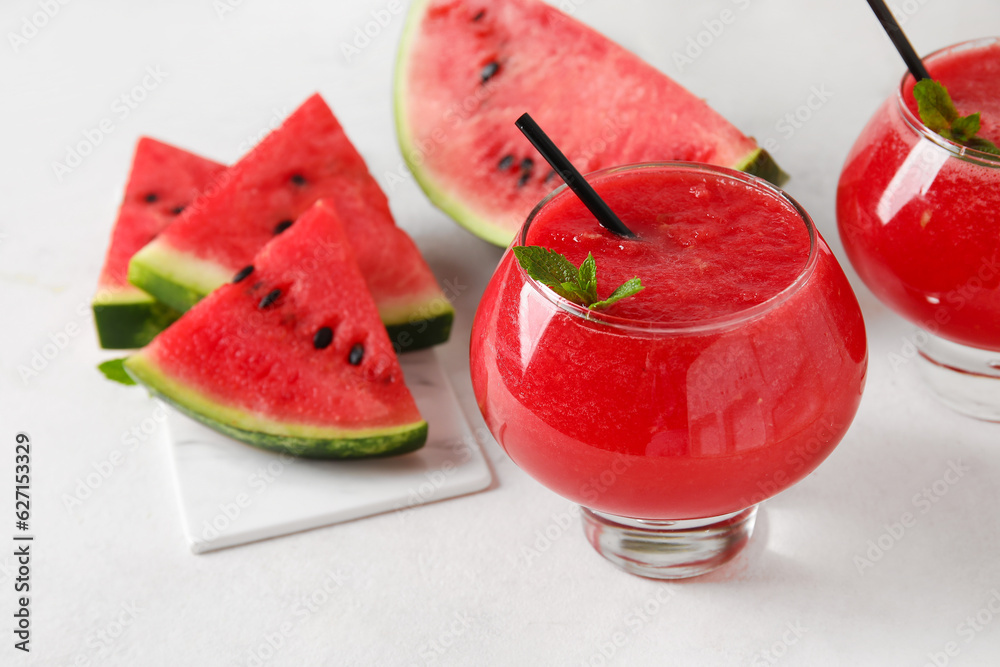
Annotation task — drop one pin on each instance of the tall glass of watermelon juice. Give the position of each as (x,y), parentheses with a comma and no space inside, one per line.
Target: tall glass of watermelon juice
(920,219)
(669,416)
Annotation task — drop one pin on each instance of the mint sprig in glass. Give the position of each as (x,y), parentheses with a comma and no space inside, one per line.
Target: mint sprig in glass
(938,113)
(575,284)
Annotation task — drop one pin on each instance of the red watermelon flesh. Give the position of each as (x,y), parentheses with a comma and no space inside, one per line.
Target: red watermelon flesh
(245,359)
(468,68)
(306,159)
(163,181)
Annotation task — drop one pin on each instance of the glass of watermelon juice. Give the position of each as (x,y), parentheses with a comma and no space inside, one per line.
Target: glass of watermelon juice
(669,416)
(919,216)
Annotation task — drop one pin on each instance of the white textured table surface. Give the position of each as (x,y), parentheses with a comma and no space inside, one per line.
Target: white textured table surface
(497,577)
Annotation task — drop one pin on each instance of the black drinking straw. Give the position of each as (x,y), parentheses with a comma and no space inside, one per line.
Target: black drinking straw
(899,40)
(574,179)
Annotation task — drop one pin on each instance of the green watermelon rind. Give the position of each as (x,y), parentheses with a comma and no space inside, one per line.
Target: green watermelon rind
(758,163)
(410,336)
(180,281)
(175,278)
(302,440)
(127,317)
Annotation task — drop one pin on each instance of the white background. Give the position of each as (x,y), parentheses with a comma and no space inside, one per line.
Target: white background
(474,580)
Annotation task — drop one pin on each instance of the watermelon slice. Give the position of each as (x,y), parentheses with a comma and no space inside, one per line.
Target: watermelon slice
(163,181)
(306,159)
(292,356)
(467,69)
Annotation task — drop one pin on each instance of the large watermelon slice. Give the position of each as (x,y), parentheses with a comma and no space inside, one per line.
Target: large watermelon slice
(306,159)
(292,356)
(163,181)
(467,69)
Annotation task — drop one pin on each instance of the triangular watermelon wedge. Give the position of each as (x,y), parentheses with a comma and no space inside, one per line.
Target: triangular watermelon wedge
(163,181)
(467,69)
(293,357)
(306,159)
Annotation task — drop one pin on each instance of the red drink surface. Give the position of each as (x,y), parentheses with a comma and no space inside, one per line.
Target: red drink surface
(739,370)
(920,223)
(759,243)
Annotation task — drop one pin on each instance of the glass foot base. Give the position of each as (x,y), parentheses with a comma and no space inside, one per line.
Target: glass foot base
(967,379)
(669,549)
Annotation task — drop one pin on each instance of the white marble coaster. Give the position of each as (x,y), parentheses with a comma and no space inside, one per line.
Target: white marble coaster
(231,493)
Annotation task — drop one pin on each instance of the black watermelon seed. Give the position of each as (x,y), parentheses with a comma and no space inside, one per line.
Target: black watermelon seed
(489,71)
(323,338)
(527,164)
(177,210)
(298,179)
(244,272)
(550,175)
(357,354)
(151,197)
(480,15)
(269,299)
(282,226)
(505,163)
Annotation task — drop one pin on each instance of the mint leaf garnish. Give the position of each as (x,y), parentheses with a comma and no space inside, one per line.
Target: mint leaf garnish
(578,285)
(937,111)
(965,127)
(552,270)
(588,279)
(939,114)
(984,145)
(114,370)
(628,288)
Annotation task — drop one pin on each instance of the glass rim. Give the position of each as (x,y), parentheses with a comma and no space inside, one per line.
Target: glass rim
(705,325)
(958,150)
